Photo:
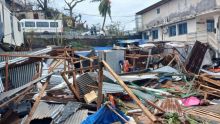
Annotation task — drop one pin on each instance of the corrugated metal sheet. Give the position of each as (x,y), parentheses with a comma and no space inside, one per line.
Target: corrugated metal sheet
(17,78)
(111,88)
(77,118)
(14,91)
(45,110)
(1,85)
(18,59)
(83,81)
(170,105)
(69,110)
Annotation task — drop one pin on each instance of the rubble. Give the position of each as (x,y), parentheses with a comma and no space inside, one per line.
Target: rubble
(86,89)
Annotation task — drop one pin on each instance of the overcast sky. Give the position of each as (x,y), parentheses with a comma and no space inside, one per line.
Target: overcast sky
(122,10)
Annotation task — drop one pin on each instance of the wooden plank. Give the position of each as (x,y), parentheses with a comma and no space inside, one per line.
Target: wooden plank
(215,82)
(100,83)
(130,93)
(90,97)
(37,101)
(72,89)
(154,105)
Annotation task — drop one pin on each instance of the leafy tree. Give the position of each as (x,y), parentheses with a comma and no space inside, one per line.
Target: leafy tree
(104,10)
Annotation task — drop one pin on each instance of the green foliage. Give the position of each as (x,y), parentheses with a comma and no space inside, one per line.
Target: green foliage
(172,118)
(104,9)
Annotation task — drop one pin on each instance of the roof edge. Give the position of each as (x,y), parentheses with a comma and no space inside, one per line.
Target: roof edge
(152,7)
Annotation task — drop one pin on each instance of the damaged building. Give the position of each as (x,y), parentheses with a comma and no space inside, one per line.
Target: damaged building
(181,20)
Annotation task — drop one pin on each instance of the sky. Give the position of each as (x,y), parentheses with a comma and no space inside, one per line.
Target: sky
(121,10)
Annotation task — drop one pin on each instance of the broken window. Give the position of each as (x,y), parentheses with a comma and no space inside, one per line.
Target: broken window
(155,34)
(182,28)
(172,30)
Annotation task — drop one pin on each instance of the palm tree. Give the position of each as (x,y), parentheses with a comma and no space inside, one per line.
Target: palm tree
(104,10)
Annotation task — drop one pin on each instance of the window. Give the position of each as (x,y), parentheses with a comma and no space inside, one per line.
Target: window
(155,34)
(29,24)
(172,30)
(182,28)
(158,11)
(210,25)
(146,37)
(42,24)
(53,24)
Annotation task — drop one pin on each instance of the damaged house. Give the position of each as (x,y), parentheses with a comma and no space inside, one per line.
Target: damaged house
(181,20)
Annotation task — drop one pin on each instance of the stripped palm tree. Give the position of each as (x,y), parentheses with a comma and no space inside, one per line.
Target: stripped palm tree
(104,10)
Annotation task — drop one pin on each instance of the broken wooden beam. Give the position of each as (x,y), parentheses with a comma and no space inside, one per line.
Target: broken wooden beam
(72,89)
(130,93)
(37,101)
(100,83)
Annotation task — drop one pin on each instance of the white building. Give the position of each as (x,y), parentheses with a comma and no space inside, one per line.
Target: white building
(10,29)
(181,20)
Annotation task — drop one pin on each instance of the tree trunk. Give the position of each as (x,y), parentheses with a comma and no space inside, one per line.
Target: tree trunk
(103,25)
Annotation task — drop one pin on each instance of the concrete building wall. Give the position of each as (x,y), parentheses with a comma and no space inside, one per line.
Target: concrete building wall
(176,9)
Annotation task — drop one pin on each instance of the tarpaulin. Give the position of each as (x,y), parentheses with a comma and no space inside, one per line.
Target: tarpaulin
(105,116)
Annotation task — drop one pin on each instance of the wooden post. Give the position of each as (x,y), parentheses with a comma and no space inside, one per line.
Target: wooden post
(37,101)
(72,89)
(91,65)
(155,106)
(100,83)
(130,93)
(6,74)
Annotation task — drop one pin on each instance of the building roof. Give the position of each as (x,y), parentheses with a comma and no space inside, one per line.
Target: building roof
(152,7)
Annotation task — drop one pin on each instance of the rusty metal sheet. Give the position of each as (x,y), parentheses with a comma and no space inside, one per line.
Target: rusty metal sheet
(170,105)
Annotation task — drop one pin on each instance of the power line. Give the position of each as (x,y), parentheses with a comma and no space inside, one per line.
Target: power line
(126,16)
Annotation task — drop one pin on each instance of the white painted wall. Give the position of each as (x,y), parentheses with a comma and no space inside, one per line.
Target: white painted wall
(173,9)
(7,21)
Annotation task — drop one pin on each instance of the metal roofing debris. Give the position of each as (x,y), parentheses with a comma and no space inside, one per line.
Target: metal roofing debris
(77,118)
(19,79)
(18,59)
(166,69)
(111,88)
(69,110)
(143,95)
(170,105)
(83,81)
(131,77)
(14,91)
(45,110)
(1,85)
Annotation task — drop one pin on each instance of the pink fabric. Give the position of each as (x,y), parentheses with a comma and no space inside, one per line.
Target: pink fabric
(191,101)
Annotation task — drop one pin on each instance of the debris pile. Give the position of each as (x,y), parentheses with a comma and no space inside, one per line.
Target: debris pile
(169,83)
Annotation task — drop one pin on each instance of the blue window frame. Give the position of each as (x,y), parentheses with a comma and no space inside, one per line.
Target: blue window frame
(172,30)
(145,36)
(182,28)
(210,25)
(155,34)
